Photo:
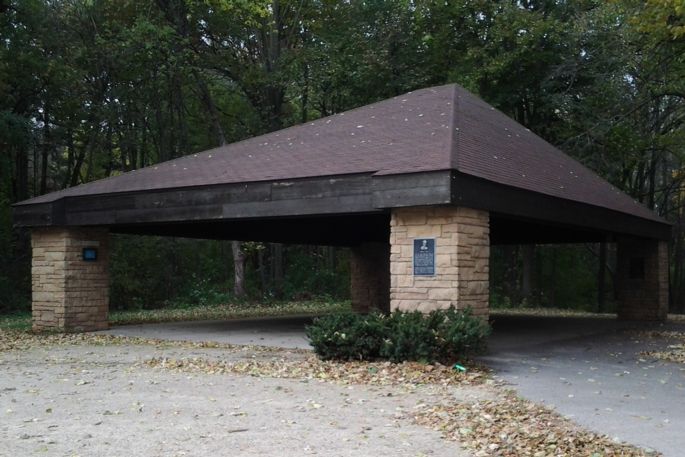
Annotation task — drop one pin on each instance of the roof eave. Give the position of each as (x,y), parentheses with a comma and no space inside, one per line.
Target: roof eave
(471,191)
(338,194)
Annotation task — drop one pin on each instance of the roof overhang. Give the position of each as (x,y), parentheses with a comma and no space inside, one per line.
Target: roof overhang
(355,194)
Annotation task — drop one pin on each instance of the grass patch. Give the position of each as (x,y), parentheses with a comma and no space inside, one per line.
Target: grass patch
(546,312)
(228,311)
(563,312)
(22,321)
(16,321)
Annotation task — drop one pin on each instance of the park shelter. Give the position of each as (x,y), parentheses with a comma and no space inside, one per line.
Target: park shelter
(437,165)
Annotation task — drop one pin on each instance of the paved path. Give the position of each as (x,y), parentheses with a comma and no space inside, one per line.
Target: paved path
(284,332)
(590,370)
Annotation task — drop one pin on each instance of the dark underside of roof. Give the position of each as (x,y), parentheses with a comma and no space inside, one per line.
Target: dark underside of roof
(436,146)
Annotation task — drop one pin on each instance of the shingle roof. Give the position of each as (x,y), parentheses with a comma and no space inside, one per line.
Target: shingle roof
(439,128)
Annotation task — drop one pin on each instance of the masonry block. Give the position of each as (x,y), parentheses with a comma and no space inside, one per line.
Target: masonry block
(69,293)
(462,254)
(642,279)
(370,277)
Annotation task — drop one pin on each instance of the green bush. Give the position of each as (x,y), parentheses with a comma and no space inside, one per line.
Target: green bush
(461,333)
(348,336)
(411,336)
(442,335)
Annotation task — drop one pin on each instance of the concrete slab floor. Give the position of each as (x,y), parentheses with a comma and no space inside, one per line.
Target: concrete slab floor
(588,369)
(285,332)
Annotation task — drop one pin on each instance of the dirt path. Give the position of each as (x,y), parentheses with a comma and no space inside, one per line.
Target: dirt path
(100,400)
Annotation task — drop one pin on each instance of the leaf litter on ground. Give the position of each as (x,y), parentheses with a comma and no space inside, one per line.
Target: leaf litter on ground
(375,373)
(509,426)
(13,340)
(501,424)
(673,352)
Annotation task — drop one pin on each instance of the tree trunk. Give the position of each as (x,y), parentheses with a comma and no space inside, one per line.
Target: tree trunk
(277,269)
(601,276)
(178,111)
(34,167)
(651,179)
(70,159)
(45,153)
(528,266)
(21,182)
(263,276)
(305,93)
(238,269)
(330,258)
(214,119)
(510,283)
(76,172)
(553,291)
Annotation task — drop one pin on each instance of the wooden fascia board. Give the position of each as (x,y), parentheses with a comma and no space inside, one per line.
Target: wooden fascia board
(483,194)
(345,194)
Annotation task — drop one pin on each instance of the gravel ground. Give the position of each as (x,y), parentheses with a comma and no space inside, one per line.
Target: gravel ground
(97,394)
(85,400)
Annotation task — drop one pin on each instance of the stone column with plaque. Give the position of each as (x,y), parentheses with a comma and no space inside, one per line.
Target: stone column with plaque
(439,257)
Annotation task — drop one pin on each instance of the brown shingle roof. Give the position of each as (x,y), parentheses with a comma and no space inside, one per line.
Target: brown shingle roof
(432,129)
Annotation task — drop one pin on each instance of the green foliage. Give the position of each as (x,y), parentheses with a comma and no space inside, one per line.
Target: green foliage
(201,292)
(461,334)
(150,272)
(442,335)
(90,89)
(412,336)
(664,19)
(348,336)
(15,321)
(311,274)
(561,276)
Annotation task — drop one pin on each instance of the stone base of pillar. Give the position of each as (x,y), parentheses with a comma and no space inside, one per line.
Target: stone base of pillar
(642,279)
(68,292)
(462,259)
(370,277)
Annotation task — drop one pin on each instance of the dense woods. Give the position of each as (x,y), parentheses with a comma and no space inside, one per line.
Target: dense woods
(95,88)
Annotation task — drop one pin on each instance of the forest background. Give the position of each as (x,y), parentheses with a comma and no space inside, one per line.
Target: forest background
(96,88)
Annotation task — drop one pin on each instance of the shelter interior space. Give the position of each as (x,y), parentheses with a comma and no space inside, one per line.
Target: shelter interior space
(360,230)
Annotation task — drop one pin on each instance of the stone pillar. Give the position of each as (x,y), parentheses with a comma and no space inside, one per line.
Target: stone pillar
(370,277)
(642,279)
(69,293)
(462,259)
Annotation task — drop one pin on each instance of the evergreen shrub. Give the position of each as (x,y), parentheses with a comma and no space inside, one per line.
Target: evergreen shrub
(442,335)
